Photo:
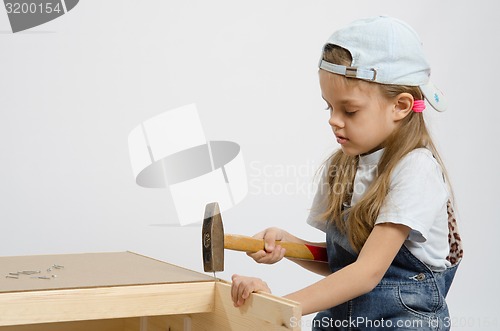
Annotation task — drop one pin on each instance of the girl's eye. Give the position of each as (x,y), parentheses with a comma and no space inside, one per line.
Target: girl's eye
(328,107)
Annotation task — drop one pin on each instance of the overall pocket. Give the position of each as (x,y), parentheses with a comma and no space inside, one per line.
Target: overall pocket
(384,308)
(422,301)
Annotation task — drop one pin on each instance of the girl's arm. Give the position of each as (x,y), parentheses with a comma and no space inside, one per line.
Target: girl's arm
(274,253)
(358,278)
(348,283)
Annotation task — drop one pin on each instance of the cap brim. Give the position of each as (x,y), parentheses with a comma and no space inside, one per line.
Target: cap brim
(434,96)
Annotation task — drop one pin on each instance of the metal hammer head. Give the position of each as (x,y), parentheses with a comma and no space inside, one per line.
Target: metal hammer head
(212,238)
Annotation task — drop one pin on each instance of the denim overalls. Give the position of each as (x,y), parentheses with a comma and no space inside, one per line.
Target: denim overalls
(409,297)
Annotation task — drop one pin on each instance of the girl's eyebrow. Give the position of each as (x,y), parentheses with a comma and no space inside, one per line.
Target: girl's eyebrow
(344,101)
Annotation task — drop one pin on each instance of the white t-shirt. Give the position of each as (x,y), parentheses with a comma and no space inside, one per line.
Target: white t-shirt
(417,198)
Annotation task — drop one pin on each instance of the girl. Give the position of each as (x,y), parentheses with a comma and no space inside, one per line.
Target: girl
(384,201)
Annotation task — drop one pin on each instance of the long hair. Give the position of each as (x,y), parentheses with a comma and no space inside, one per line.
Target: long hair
(412,133)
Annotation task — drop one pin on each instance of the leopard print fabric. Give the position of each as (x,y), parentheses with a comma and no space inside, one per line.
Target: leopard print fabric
(454,241)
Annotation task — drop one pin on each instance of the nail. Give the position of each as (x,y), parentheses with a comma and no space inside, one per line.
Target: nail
(41,277)
(29,272)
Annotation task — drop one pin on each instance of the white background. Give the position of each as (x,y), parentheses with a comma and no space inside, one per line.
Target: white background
(71,91)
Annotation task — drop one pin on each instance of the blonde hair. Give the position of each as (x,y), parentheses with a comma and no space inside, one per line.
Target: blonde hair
(412,133)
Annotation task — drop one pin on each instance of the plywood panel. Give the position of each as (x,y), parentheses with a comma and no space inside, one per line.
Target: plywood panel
(90,270)
(107,302)
(128,292)
(101,325)
(261,312)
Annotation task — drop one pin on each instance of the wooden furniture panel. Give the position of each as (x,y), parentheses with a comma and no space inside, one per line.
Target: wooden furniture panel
(105,303)
(261,312)
(127,292)
(90,270)
(97,325)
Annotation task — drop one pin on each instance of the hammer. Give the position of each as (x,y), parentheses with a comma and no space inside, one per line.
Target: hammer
(214,241)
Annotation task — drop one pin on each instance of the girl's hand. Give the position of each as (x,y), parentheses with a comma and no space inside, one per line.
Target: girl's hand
(271,253)
(242,287)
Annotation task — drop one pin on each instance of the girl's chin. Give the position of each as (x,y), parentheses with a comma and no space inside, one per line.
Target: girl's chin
(349,151)
(352,151)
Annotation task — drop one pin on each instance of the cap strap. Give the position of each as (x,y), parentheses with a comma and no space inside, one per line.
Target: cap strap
(350,72)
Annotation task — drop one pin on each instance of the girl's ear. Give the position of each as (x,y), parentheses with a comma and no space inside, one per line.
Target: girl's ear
(403,106)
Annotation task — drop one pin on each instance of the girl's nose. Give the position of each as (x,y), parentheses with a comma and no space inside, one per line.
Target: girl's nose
(335,120)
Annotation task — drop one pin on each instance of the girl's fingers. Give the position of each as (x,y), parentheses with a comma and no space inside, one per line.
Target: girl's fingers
(234,289)
(245,293)
(277,254)
(242,287)
(268,257)
(260,235)
(237,288)
(282,253)
(271,253)
(257,256)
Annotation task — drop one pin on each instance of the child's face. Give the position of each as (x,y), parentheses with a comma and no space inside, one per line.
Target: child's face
(360,117)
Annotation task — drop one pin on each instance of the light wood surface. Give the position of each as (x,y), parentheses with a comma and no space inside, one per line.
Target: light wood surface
(95,325)
(90,270)
(260,312)
(130,293)
(105,302)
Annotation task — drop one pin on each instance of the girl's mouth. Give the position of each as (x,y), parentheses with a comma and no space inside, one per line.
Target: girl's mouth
(341,140)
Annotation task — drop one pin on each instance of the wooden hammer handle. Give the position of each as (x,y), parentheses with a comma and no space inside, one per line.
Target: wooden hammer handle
(294,250)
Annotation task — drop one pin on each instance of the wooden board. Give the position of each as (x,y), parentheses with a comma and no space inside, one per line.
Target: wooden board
(90,270)
(260,312)
(105,302)
(98,286)
(97,325)
(129,292)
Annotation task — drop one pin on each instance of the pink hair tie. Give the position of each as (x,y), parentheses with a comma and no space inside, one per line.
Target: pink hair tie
(418,106)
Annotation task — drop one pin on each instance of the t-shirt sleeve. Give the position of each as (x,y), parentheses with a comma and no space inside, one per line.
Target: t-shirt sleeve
(416,196)
(319,202)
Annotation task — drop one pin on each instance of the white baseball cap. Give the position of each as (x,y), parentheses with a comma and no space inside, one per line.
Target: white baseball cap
(385,50)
